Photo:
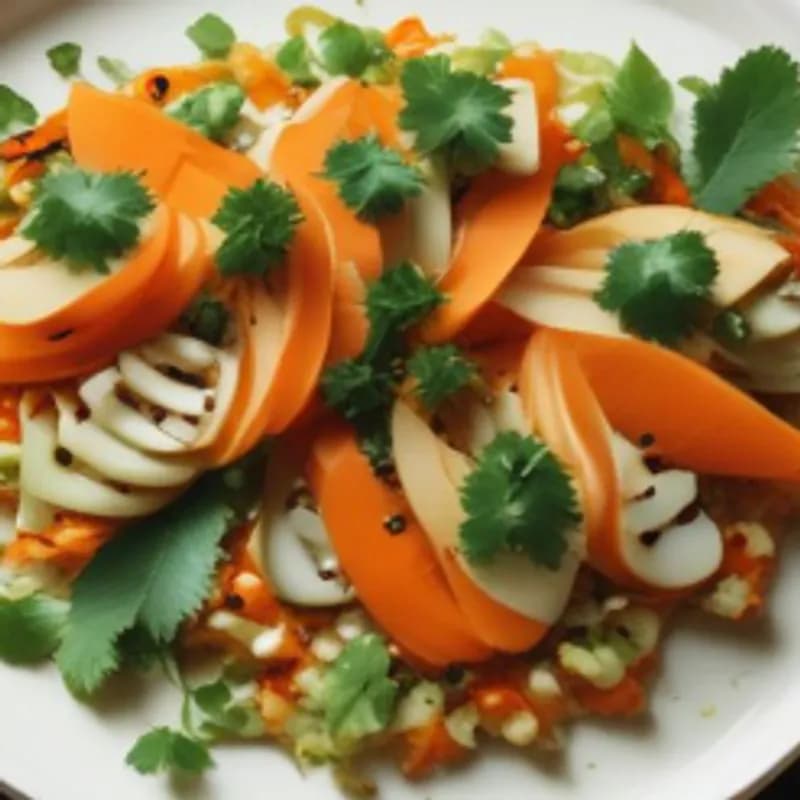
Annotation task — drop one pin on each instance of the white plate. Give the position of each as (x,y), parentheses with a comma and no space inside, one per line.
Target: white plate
(726,707)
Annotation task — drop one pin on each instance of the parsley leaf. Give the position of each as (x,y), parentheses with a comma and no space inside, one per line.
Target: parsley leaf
(260,224)
(457,114)
(87,218)
(373,180)
(745,130)
(358,694)
(16,113)
(116,70)
(346,49)
(212,110)
(640,99)
(400,298)
(294,58)
(164,749)
(207,318)
(659,287)
(440,372)
(31,628)
(65,59)
(153,574)
(212,35)
(355,388)
(518,499)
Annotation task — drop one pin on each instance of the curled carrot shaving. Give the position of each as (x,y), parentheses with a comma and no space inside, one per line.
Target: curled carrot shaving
(48,137)
(263,81)
(164,85)
(430,747)
(409,38)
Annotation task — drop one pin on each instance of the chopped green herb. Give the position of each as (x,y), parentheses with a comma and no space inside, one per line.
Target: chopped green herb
(660,287)
(207,318)
(116,70)
(731,328)
(295,59)
(164,750)
(87,218)
(65,59)
(16,113)
(372,180)
(259,223)
(440,372)
(355,388)
(213,110)
(518,499)
(456,114)
(31,628)
(695,84)
(212,35)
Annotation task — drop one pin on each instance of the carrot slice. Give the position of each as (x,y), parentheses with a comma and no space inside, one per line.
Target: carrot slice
(699,421)
(49,136)
(111,132)
(498,220)
(396,577)
(409,38)
(265,83)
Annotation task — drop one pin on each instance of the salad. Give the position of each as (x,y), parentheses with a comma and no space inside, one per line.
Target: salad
(388,392)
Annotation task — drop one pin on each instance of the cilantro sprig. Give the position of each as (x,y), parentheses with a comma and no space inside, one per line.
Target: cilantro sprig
(153,574)
(454,113)
(16,113)
(660,287)
(31,628)
(259,224)
(87,218)
(373,180)
(207,318)
(213,36)
(212,110)
(746,130)
(164,749)
(518,499)
(65,59)
(440,372)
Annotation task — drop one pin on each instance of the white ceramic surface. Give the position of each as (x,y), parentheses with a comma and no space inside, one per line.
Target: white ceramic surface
(726,707)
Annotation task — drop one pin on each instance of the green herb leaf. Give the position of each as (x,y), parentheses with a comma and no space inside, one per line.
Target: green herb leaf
(87,218)
(518,499)
(373,180)
(731,328)
(212,35)
(163,749)
(745,130)
(31,628)
(355,388)
(116,70)
(295,59)
(400,298)
(153,574)
(695,84)
(457,114)
(65,59)
(16,113)
(346,49)
(358,695)
(660,287)
(212,110)
(207,318)
(223,716)
(440,372)
(260,223)
(579,192)
(640,99)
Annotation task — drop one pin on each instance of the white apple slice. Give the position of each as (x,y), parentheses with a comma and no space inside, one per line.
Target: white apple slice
(155,387)
(772,316)
(747,254)
(521,156)
(184,352)
(431,486)
(46,479)
(114,459)
(34,515)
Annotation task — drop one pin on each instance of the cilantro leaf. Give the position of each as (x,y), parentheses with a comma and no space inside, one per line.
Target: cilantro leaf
(373,180)
(212,110)
(695,84)
(212,35)
(153,574)
(295,59)
(207,318)
(400,298)
(640,99)
(518,499)
(260,224)
(355,388)
(731,328)
(659,287)
(745,130)
(440,372)
(346,49)
(578,193)
(87,218)
(358,694)
(224,716)
(116,70)
(16,113)
(457,114)
(65,58)
(31,628)
(163,749)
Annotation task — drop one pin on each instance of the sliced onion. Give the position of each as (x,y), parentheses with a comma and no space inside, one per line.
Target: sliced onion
(772,317)
(521,156)
(429,239)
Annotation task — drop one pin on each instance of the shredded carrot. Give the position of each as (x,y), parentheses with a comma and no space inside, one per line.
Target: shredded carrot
(409,38)
(430,747)
(49,136)
(780,201)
